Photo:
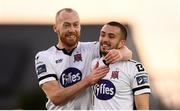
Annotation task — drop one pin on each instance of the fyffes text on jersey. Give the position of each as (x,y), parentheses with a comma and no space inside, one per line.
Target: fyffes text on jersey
(70,76)
(104,89)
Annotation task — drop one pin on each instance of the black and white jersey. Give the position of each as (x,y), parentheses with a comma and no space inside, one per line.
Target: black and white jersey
(118,88)
(67,69)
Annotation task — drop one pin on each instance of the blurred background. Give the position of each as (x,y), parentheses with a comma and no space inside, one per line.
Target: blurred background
(26,28)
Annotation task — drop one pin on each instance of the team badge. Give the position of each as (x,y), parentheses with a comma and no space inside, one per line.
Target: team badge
(114,74)
(77,58)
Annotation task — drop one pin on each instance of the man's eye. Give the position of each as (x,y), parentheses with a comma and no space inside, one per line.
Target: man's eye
(66,25)
(76,25)
(111,36)
(102,35)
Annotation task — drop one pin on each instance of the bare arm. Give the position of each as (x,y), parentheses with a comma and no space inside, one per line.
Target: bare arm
(60,96)
(142,101)
(115,55)
(126,53)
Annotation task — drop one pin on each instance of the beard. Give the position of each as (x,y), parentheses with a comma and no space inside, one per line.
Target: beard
(103,53)
(70,39)
(104,47)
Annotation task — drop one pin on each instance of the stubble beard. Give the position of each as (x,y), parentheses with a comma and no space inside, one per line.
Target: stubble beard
(104,50)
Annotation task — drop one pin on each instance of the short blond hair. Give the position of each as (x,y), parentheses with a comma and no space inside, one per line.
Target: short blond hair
(69,10)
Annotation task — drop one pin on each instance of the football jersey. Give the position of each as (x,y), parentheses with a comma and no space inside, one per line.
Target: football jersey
(67,69)
(117,89)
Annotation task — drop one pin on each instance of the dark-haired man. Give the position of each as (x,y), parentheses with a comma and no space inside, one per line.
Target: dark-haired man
(127,82)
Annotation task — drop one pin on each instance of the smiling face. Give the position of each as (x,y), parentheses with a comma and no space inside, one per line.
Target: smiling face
(68,28)
(110,38)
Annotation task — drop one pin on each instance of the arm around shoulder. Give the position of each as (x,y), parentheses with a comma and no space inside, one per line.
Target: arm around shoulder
(126,53)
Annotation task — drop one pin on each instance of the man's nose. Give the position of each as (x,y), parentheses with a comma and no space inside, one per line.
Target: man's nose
(72,29)
(106,38)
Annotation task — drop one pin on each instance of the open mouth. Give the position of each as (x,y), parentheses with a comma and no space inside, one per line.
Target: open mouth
(105,46)
(71,36)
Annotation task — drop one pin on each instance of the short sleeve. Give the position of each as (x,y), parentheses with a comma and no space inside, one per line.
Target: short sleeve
(44,69)
(140,79)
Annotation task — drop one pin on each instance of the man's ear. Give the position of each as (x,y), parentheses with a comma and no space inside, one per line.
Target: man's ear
(55,28)
(121,44)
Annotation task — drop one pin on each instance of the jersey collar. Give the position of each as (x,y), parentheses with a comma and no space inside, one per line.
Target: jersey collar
(65,51)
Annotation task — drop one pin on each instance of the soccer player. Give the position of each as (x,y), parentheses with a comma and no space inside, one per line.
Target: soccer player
(126,82)
(63,70)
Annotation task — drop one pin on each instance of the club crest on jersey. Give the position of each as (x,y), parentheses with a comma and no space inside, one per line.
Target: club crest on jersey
(104,89)
(77,58)
(70,76)
(115,75)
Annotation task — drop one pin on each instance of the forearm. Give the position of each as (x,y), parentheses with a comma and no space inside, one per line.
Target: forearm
(60,96)
(64,95)
(126,53)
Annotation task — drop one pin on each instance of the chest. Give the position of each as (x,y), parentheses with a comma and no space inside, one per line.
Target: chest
(119,78)
(71,68)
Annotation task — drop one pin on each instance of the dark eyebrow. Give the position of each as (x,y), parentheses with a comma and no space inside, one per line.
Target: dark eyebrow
(110,33)
(102,32)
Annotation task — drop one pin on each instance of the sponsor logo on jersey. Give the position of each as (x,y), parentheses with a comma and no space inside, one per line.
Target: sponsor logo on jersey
(142,79)
(41,69)
(70,76)
(104,89)
(77,58)
(59,61)
(114,74)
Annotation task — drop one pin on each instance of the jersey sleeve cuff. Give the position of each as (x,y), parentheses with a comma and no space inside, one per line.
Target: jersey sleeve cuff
(141,90)
(47,78)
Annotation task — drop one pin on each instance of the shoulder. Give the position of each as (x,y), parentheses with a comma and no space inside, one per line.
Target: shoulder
(89,44)
(127,63)
(138,66)
(131,65)
(45,53)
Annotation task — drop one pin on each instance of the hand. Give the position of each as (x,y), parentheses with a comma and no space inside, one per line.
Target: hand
(113,56)
(97,73)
